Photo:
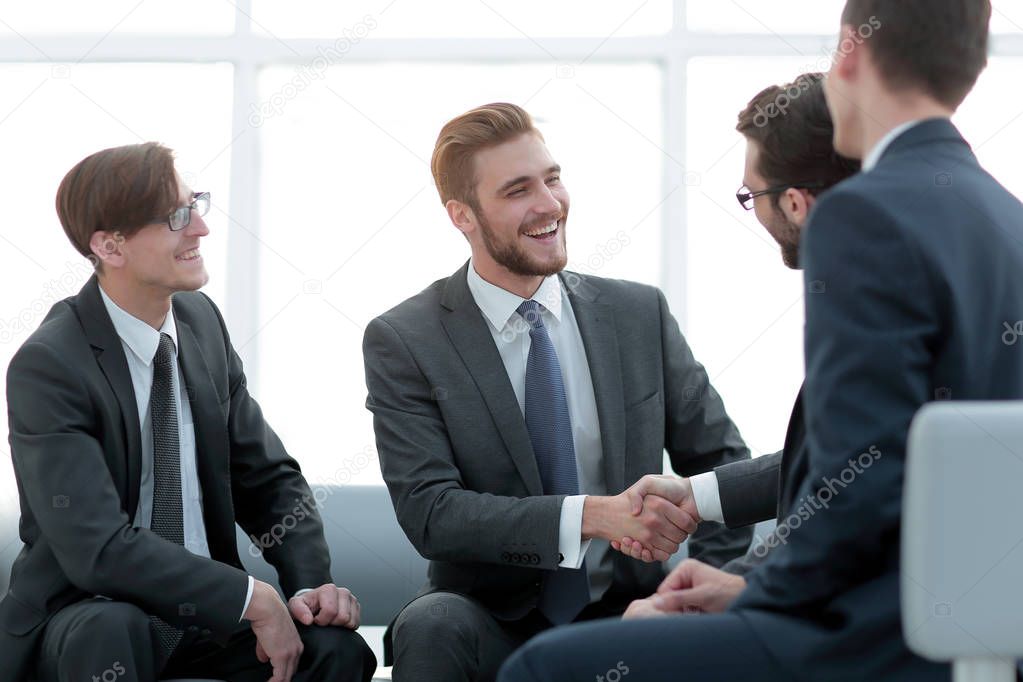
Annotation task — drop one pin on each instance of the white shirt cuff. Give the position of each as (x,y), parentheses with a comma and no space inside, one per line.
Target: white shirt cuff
(707,496)
(570,533)
(302,591)
(248,598)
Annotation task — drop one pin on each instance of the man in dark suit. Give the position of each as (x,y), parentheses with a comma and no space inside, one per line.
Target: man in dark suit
(137,447)
(896,316)
(790,161)
(514,403)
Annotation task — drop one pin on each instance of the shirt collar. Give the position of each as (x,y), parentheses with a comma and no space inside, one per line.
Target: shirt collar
(871,159)
(498,305)
(142,339)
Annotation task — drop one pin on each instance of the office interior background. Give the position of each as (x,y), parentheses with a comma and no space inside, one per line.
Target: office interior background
(312,123)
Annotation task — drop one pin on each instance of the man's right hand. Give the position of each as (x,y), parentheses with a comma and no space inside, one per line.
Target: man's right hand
(660,525)
(656,488)
(277,639)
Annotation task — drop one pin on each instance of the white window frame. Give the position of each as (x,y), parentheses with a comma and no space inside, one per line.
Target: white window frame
(251,51)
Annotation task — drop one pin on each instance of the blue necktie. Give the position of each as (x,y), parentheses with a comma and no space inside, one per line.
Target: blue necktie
(565,591)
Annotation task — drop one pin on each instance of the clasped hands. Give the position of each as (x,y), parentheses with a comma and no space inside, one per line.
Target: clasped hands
(693,586)
(273,623)
(648,521)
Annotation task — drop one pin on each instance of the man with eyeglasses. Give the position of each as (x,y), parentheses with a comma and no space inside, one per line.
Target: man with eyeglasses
(896,316)
(136,448)
(790,160)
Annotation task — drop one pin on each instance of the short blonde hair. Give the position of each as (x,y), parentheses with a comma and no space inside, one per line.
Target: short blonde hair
(463,136)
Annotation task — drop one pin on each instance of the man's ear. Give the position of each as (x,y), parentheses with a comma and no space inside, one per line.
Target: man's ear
(849,53)
(107,246)
(795,204)
(461,216)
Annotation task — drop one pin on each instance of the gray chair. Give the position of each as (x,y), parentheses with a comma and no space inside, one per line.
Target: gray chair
(962,546)
(369,552)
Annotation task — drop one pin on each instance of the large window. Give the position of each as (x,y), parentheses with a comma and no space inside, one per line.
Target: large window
(312,123)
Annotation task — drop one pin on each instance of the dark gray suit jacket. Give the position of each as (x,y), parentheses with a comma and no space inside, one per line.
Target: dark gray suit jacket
(456,455)
(75,441)
(912,270)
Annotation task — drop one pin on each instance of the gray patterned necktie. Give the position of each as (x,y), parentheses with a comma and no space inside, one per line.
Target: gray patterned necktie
(167,519)
(565,591)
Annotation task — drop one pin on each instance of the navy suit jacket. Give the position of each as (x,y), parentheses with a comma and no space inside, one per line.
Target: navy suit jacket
(911,271)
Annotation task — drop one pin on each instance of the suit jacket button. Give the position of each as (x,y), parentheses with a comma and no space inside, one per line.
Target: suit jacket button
(193,628)
(535,558)
(505,556)
(517,558)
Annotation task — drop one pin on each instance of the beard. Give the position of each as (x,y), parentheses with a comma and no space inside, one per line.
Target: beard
(790,255)
(787,234)
(516,259)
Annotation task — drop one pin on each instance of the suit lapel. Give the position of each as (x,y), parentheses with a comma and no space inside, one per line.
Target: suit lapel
(211,444)
(597,328)
(472,340)
(99,331)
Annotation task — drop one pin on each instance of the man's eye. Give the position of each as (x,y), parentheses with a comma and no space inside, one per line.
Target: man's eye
(554,179)
(517,192)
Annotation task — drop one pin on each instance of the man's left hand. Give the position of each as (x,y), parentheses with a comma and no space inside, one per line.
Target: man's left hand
(327,605)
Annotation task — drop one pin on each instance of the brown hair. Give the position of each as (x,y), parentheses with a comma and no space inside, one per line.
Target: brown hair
(460,139)
(938,46)
(121,189)
(792,127)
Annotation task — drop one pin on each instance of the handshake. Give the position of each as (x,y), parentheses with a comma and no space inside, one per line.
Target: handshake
(648,521)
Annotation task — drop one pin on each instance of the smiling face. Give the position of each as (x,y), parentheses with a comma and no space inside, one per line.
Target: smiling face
(163,261)
(518,222)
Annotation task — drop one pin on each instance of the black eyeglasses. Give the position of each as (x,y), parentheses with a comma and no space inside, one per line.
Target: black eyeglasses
(746,197)
(180,218)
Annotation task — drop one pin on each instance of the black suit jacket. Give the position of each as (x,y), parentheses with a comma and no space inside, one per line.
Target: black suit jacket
(912,269)
(456,455)
(764,488)
(74,435)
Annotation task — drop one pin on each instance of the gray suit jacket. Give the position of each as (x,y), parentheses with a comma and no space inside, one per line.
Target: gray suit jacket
(75,443)
(456,455)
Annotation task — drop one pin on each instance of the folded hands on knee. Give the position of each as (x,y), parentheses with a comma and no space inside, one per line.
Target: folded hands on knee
(692,587)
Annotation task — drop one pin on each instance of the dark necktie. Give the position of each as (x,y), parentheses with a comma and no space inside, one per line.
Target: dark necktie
(167,519)
(565,591)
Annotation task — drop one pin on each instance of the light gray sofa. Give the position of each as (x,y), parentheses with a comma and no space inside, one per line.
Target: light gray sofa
(370,554)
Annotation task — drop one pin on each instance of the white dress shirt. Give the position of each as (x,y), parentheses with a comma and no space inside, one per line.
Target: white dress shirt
(511,335)
(705,486)
(140,342)
(874,155)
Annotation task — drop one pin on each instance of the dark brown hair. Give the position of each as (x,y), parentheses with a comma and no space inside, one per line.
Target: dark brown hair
(937,46)
(792,127)
(121,189)
(460,139)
